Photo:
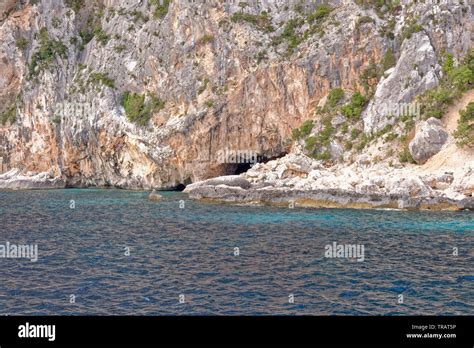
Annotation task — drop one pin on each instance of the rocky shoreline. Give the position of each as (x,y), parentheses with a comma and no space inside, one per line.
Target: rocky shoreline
(299,181)
(296,180)
(15,180)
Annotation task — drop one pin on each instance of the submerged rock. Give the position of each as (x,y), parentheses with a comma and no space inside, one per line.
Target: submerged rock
(155,196)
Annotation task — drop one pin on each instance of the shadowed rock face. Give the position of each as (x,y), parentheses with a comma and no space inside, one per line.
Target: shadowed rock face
(218,93)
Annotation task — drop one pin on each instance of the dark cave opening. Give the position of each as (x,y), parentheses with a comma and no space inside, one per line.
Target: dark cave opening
(180,187)
(239,168)
(265,159)
(242,168)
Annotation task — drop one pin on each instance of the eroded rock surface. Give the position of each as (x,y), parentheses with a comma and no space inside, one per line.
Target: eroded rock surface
(428,141)
(356,186)
(14,180)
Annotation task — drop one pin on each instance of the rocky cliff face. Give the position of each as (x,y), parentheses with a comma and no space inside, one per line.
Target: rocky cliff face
(202,78)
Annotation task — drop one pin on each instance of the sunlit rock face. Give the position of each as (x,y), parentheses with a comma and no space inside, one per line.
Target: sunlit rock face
(428,141)
(225,82)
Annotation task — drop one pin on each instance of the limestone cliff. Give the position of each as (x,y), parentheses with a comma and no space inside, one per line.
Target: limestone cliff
(146,94)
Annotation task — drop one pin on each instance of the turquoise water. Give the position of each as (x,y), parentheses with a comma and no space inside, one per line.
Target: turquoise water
(190,252)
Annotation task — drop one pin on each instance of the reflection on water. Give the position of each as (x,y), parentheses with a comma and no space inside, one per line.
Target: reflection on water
(190,251)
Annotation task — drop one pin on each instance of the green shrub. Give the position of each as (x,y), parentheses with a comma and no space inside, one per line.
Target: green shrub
(448,63)
(388,60)
(469,59)
(101,36)
(323,156)
(456,80)
(383,131)
(290,36)
(120,48)
(364,140)
(86,37)
(391,136)
(358,100)
(262,55)
(76,5)
(101,78)
(314,144)
(310,144)
(465,131)
(139,109)
(355,133)
(55,22)
(304,130)
(405,156)
(363,20)
(56,120)
(296,134)
(21,43)
(9,115)
(206,38)
(325,134)
(371,72)
(161,9)
(321,12)
(461,77)
(49,49)
(138,16)
(381,7)
(335,96)
(436,101)
(262,22)
(353,110)
(203,87)
(410,29)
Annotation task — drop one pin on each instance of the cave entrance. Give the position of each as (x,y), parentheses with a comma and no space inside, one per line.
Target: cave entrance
(265,159)
(180,187)
(242,168)
(239,168)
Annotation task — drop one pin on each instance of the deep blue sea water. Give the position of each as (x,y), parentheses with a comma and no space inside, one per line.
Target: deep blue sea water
(190,252)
